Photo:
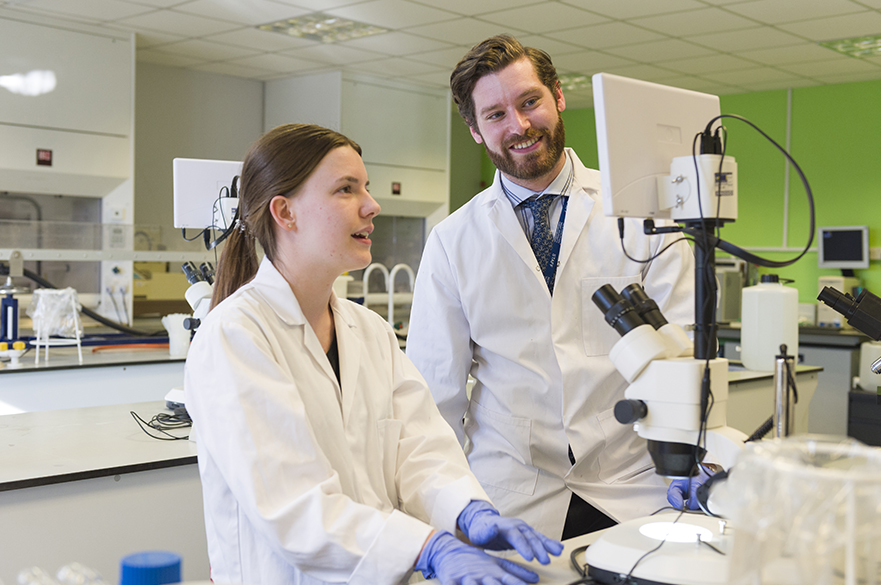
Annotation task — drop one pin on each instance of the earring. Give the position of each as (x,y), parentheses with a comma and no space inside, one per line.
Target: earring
(290,225)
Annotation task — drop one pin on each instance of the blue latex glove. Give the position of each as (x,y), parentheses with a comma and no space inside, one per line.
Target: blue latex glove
(676,493)
(453,562)
(484,527)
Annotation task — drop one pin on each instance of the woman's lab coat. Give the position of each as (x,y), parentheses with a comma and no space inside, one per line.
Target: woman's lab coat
(543,377)
(303,483)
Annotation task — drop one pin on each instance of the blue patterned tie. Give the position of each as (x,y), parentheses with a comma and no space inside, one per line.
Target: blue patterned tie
(542,238)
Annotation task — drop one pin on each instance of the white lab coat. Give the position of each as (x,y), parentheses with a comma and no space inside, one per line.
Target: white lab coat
(303,483)
(543,377)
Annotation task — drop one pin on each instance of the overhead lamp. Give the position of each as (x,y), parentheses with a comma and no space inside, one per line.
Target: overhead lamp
(323,27)
(869,46)
(32,83)
(573,81)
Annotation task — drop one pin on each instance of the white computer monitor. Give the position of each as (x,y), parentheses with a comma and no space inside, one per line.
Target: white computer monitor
(844,247)
(198,186)
(641,128)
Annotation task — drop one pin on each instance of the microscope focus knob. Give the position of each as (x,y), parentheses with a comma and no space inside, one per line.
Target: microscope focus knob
(629,411)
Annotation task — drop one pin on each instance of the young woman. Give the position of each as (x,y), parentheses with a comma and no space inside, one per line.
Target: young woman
(322,455)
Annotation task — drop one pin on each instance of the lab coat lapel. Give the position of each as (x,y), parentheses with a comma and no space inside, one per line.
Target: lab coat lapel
(278,295)
(581,205)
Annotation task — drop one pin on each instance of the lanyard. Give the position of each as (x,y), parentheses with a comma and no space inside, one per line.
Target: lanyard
(550,271)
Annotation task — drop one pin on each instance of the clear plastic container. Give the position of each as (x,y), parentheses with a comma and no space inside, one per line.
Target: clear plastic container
(769,318)
(805,510)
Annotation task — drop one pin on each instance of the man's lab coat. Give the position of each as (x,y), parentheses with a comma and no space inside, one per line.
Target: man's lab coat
(543,377)
(304,482)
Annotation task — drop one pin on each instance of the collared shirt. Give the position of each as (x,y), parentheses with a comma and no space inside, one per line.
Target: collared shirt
(561,185)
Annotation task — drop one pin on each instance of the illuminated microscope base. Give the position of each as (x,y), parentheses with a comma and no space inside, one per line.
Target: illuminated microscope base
(683,559)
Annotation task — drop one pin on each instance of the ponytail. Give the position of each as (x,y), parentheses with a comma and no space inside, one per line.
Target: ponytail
(237,266)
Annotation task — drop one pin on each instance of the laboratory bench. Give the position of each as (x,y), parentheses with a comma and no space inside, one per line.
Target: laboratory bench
(88,485)
(837,351)
(108,374)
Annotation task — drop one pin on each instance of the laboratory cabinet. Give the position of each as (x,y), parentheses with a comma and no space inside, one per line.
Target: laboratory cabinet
(837,352)
(864,422)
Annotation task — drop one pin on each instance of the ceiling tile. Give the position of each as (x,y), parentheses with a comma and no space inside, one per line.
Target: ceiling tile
(318,5)
(750,75)
(438,79)
(702,85)
(750,38)
(396,43)
(588,62)
(837,27)
(472,8)
(781,11)
(664,50)
(651,73)
(611,34)
(464,31)
(446,58)
(800,53)
(629,9)
(333,54)
(776,85)
(170,59)
(396,67)
(177,23)
(89,10)
(145,40)
(263,40)
(832,67)
(846,78)
(276,62)
(153,3)
(392,14)
(205,50)
(550,44)
(234,70)
(543,17)
(684,24)
(251,12)
(707,64)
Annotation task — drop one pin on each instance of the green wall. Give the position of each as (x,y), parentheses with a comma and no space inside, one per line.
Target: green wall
(835,135)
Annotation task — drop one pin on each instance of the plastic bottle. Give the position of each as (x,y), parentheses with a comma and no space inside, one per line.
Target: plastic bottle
(769,318)
(150,568)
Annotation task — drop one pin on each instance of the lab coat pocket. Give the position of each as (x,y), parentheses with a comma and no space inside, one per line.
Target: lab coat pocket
(599,336)
(624,455)
(389,437)
(500,455)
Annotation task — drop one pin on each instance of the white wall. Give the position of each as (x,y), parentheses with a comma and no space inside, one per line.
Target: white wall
(188,114)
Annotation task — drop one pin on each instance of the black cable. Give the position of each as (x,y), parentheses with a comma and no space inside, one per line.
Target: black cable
(763,430)
(579,568)
(163,422)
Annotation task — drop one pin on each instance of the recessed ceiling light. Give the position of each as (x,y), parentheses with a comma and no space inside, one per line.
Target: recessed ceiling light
(572,81)
(323,27)
(857,47)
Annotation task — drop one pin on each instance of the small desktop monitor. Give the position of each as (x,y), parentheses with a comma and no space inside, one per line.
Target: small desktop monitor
(843,247)
(641,128)
(198,186)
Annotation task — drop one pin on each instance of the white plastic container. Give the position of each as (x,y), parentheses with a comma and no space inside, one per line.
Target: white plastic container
(769,317)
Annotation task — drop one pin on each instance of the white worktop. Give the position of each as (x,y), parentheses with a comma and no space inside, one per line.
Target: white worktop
(42,448)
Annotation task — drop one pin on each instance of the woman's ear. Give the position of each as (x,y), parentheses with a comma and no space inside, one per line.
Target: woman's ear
(282,212)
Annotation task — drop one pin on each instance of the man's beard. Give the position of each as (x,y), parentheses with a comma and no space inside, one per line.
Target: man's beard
(535,166)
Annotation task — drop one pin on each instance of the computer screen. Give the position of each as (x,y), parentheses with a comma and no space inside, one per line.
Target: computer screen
(198,185)
(845,247)
(641,128)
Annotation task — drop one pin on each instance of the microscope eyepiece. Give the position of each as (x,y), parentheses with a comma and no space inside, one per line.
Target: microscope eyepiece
(644,305)
(619,313)
(192,273)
